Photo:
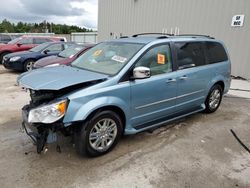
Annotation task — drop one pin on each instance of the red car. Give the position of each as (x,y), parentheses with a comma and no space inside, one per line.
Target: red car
(65,57)
(25,43)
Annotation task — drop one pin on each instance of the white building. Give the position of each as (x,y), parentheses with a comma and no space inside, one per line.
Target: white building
(227,20)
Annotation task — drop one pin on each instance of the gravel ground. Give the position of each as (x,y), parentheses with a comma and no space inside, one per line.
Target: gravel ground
(198,151)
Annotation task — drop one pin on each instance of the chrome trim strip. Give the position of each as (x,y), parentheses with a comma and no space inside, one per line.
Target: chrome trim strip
(167,100)
(154,103)
(187,94)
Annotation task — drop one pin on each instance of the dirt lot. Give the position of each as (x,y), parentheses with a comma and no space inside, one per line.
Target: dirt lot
(198,151)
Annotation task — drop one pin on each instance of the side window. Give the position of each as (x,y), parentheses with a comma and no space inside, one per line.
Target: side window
(26,41)
(55,48)
(190,54)
(215,52)
(40,40)
(158,59)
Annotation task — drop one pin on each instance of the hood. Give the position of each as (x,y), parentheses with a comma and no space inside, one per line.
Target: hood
(56,78)
(48,61)
(23,53)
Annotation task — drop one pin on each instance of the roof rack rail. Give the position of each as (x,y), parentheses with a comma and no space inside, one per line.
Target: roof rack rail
(164,34)
(194,35)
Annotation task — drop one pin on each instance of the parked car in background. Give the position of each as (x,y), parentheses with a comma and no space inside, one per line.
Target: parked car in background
(5,38)
(125,86)
(23,61)
(25,43)
(65,57)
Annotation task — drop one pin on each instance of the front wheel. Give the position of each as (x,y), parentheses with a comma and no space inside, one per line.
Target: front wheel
(213,99)
(28,65)
(99,135)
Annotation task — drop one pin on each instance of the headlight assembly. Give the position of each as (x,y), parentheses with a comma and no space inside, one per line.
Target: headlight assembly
(48,113)
(15,58)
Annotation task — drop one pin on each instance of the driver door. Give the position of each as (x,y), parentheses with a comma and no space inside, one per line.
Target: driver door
(25,44)
(154,98)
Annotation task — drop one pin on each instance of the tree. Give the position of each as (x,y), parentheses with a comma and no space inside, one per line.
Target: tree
(21,27)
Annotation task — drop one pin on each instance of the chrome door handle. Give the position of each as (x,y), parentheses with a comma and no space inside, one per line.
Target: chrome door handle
(183,78)
(171,80)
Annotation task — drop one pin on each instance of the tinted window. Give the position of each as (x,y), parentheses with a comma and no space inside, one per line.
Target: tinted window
(41,40)
(215,52)
(190,54)
(26,41)
(158,59)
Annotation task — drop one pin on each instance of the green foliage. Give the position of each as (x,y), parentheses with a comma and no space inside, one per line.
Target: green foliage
(22,27)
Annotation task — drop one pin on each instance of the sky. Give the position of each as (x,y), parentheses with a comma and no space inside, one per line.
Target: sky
(82,13)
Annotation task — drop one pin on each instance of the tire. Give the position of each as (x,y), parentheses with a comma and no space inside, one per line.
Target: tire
(28,65)
(214,98)
(90,139)
(1,56)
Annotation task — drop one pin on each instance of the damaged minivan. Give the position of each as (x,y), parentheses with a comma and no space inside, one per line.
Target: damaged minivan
(124,86)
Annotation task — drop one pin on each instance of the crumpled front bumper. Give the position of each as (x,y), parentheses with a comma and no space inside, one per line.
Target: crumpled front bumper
(40,134)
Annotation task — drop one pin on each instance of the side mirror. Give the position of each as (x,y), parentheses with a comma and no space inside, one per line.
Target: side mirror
(141,73)
(19,44)
(46,51)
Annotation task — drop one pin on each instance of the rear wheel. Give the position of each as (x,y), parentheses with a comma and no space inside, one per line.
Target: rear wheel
(99,135)
(1,56)
(213,99)
(28,65)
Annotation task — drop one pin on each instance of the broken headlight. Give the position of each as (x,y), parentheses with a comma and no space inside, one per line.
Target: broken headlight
(48,113)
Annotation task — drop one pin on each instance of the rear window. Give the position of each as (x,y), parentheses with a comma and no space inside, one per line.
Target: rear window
(190,54)
(41,40)
(215,52)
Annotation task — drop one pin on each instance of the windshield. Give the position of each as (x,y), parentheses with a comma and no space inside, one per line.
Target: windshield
(71,51)
(107,57)
(39,47)
(14,41)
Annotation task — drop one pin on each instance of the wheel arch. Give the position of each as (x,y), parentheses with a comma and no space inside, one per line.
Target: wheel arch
(5,51)
(221,83)
(217,80)
(112,108)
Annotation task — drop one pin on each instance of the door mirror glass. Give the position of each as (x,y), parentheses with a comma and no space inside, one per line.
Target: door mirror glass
(141,72)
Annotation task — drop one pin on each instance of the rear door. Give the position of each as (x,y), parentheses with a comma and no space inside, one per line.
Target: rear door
(154,98)
(192,76)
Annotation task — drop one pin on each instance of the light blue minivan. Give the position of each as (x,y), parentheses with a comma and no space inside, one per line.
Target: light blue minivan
(125,86)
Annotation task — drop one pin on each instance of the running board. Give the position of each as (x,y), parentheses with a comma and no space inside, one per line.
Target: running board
(167,119)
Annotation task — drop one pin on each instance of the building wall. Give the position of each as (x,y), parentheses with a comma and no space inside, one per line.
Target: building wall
(212,17)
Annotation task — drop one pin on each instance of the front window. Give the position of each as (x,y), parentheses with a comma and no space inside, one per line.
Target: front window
(158,59)
(39,47)
(14,41)
(107,57)
(71,51)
